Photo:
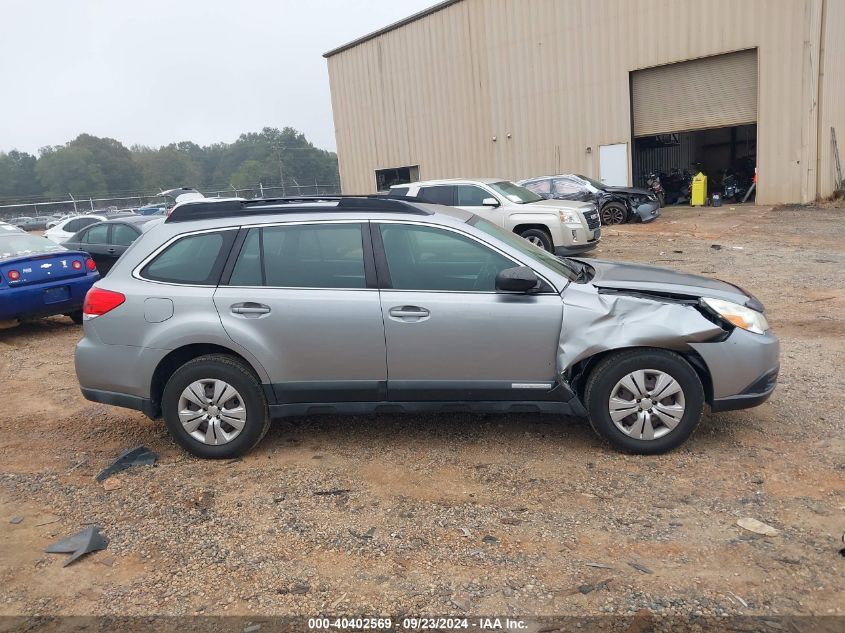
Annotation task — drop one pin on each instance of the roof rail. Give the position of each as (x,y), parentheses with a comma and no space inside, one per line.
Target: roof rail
(209,208)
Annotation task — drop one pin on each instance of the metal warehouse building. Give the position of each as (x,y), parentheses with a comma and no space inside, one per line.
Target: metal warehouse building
(607,88)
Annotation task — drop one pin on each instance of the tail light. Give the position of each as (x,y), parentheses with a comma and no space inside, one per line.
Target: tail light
(90,264)
(76,264)
(13,275)
(99,301)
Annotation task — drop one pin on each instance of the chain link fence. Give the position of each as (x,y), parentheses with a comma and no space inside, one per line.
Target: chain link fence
(78,204)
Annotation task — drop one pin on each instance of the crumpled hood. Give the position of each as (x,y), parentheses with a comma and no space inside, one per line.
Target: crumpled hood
(626,276)
(635,190)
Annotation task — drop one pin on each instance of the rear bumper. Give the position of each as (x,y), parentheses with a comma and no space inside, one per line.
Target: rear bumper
(125,400)
(27,302)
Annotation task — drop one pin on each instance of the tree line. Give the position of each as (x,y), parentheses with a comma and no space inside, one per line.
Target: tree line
(90,165)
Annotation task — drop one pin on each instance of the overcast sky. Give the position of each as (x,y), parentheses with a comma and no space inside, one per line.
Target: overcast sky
(158,71)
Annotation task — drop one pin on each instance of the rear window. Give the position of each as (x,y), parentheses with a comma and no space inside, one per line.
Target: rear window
(19,244)
(195,259)
(302,256)
(438,194)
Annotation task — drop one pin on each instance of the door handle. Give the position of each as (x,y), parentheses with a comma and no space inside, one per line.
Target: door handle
(409,313)
(250,310)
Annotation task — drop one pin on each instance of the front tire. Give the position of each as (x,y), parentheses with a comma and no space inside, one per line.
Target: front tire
(539,238)
(644,401)
(215,408)
(614,213)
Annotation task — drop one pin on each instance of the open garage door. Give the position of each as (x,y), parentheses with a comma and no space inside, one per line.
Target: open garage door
(712,92)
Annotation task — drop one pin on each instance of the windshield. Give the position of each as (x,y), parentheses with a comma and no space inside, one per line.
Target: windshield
(515,193)
(17,244)
(525,247)
(596,183)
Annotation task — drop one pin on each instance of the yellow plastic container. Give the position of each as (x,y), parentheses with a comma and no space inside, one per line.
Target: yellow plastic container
(699,190)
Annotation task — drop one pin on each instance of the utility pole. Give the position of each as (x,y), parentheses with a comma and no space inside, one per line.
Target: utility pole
(278,149)
(75,210)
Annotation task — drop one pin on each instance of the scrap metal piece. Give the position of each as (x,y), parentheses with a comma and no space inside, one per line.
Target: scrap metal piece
(81,543)
(138,456)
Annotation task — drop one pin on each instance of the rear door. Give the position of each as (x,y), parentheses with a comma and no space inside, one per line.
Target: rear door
(303,298)
(121,237)
(95,241)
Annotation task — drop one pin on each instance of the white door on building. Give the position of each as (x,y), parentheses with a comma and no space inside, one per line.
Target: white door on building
(613,164)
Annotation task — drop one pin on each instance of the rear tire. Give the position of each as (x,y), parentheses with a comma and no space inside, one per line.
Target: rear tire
(247,401)
(76,316)
(681,405)
(614,213)
(539,238)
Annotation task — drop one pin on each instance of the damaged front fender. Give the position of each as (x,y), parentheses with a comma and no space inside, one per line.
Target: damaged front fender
(595,322)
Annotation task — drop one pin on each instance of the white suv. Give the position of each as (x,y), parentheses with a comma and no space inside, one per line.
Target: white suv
(562,227)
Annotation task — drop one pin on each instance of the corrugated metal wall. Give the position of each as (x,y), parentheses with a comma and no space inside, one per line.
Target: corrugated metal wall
(832,94)
(550,78)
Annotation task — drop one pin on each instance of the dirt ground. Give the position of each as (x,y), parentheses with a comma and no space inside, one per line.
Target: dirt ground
(457,514)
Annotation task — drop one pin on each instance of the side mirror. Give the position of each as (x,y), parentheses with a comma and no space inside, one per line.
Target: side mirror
(490,202)
(517,279)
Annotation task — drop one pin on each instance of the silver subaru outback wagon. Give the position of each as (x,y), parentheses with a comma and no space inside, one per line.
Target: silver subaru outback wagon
(234,312)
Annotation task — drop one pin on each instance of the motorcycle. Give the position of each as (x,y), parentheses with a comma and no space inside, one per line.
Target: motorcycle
(734,187)
(652,181)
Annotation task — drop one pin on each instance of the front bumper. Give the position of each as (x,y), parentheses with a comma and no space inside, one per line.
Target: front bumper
(743,369)
(581,240)
(648,211)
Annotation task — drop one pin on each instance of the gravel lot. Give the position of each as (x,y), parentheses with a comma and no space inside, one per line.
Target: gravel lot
(457,514)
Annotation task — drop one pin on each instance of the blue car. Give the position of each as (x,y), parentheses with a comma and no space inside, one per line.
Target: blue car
(39,278)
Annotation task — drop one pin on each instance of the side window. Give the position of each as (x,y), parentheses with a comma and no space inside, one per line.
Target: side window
(195,259)
(96,235)
(123,235)
(426,258)
(76,225)
(540,187)
(247,270)
(439,194)
(302,256)
(398,192)
(471,196)
(563,187)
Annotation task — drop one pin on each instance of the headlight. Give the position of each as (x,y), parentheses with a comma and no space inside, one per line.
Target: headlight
(570,217)
(738,315)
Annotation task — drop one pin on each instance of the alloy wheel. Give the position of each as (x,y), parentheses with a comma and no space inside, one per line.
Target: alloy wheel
(212,411)
(646,404)
(612,215)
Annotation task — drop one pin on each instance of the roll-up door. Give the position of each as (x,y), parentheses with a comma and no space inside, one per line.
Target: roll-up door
(718,91)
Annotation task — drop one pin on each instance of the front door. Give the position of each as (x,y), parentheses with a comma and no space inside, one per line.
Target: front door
(301,298)
(613,164)
(450,335)
(470,198)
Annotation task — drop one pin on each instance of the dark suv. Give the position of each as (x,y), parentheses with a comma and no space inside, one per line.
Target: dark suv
(616,204)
